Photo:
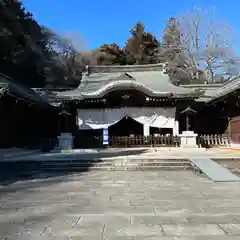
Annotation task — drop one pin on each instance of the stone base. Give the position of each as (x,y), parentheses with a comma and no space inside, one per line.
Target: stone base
(65,141)
(188,139)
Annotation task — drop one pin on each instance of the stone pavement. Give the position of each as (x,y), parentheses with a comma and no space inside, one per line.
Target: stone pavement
(129,153)
(10,153)
(165,205)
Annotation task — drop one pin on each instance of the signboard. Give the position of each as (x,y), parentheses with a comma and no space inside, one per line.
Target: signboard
(105,136)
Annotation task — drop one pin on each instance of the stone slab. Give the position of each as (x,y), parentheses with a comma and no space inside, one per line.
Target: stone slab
(214,171)
(195,230)
(89,205)
(133,230)
(231,229)
(218,237)
(167,238)
(209,219)
(157,220)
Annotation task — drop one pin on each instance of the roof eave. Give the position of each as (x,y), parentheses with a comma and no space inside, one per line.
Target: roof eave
(26,94)
(131,84)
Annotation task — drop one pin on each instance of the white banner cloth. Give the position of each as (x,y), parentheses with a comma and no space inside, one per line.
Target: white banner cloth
(102,118)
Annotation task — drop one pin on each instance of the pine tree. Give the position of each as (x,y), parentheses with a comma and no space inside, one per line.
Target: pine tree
(172,35)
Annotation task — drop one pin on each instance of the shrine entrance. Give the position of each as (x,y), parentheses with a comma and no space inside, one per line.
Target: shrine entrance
(126,127)
(129,133)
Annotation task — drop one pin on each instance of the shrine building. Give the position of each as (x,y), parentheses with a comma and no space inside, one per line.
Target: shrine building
(142,100)
(123,106)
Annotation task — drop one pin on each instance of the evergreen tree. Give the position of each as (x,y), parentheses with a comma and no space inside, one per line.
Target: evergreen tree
(142,47)
(21,44)
(172,35)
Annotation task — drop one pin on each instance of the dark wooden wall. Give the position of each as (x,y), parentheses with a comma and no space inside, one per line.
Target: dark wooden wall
(235,129)
(22,124)
(210,118)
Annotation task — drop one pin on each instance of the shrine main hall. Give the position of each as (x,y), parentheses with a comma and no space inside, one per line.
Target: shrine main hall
(137,101)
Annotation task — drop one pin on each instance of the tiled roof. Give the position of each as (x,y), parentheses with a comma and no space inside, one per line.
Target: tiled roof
(150,79)
(226,88)
(22,91)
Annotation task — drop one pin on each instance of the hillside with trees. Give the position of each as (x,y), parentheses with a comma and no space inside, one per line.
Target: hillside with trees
(37,56)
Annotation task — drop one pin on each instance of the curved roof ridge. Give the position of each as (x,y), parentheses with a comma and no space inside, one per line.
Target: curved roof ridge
(126,68)
(123,83)
(152,83)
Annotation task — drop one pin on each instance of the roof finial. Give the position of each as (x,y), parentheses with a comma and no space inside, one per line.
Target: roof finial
(164,67)
(87,70)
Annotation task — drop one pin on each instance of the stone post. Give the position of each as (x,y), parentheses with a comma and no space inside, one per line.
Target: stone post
(65,140)
(188,138)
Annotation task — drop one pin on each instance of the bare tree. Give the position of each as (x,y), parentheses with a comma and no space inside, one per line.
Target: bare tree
(207,42)
(77,41)
(180,66)
(62,66)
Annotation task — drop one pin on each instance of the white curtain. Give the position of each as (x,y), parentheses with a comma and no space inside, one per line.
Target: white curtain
(102,118)
(98,118)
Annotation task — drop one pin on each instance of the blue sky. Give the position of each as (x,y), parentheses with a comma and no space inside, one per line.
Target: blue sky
(105,21)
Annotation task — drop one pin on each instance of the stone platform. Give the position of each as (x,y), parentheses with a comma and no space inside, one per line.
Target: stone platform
(121,205)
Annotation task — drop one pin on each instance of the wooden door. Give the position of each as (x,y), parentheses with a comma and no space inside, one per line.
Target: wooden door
(235,129)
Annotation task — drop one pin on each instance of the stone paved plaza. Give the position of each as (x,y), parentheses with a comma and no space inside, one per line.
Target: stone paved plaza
(151,205)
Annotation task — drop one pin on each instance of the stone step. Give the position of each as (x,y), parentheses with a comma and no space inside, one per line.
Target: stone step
(113,163)
(79,162)
(116,168)
(27,169)
(113,167)
(86,166)
(142,168)
(106,165)
(64,161)
(56,172)
(84,162)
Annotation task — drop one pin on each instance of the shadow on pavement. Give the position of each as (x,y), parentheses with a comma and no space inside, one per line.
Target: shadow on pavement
(53,168)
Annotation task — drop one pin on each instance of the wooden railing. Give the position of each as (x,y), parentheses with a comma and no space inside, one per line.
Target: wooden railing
(213,140)
(48,144)
(205,141)
(142,141)
(88,142)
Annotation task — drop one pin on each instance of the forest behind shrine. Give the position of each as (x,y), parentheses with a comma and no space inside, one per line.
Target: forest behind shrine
(197,47)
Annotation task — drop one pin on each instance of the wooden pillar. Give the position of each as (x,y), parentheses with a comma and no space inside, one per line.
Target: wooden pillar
(228,129)
(64,122)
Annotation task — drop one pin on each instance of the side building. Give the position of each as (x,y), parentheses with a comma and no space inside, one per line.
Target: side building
(27,118)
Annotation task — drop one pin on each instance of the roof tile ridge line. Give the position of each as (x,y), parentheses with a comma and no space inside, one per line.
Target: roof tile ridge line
(228,90)
(115,79)
(225,87)
(202,85)
(97,81)
(229,86)
(150,90)
(14,81)
(111,85)
(231,80)
(128,74)
(128,66)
